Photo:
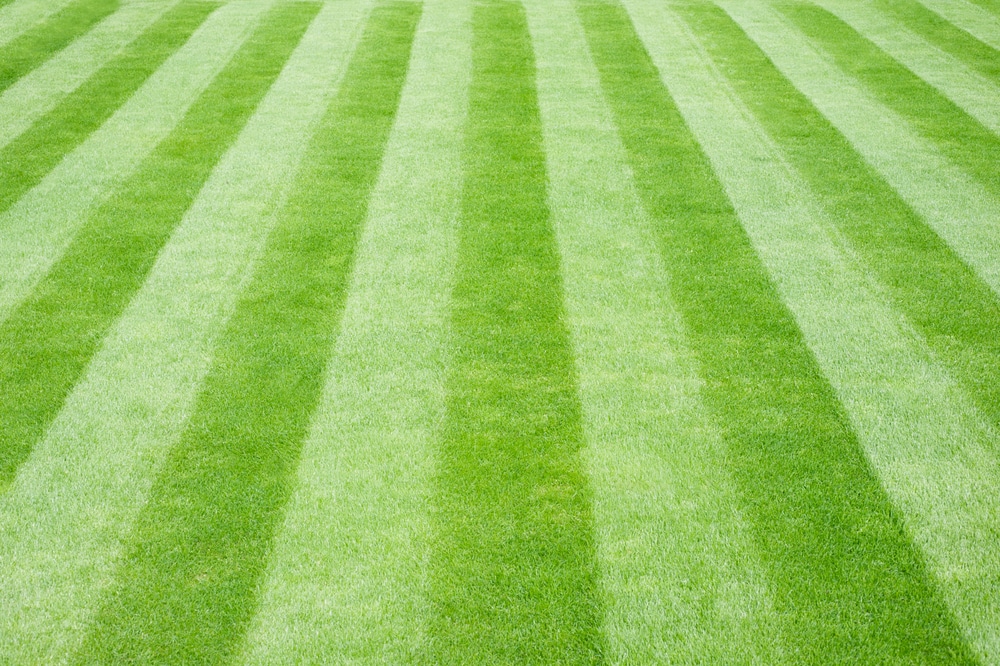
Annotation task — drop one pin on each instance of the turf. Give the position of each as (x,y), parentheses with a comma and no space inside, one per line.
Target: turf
(28,158)
(32,48)
(499,331)
(805,484)
(513,568)
(224,485)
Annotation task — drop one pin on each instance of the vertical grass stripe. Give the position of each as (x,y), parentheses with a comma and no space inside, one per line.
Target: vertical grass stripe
(29,50)
(53,334)
(25,161)
(946,36)
(953,309)
(222,490)
(38,92)
(513,571)
(64,521)
(36,230)
(974,20)
(957,207)
(680,573)
(338,591)
(847,581)
(967,89)
(969,136)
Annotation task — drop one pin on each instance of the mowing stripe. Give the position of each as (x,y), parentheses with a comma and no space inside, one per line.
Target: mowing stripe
(895,86)
(681,578)
(21,55)
(338,591)
(36,230)
(25,161)
(981,57)
(930,449)
(955,206)
(35,94)
(513,570)
(847,582)
(63,522)
(972,19)
(22,15)
(187,589)
(956,313)
(55,331)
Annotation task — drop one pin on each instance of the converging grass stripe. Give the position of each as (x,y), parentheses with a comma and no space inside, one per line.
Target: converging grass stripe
(848,583)
(899,54)
(969,136)
(37,229)
(39,91)
(25,161)
(186,591)
(680,572)
(968,17)
(64,521)
(53,334)
(954,310)
(29,50)
(513,569)
(946,36)
(337,590)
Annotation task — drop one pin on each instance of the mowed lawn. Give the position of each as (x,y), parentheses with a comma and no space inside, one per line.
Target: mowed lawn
(500,332)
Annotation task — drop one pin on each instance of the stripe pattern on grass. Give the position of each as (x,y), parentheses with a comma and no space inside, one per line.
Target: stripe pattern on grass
(687,357)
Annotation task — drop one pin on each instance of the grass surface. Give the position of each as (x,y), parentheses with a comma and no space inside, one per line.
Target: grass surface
(487,331)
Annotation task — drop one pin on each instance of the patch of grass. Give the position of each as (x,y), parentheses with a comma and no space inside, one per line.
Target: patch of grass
(955,311)
(27,159)
(189,585)
(32,48)
(53,334)
(944,35)
(513,570)
(848,582)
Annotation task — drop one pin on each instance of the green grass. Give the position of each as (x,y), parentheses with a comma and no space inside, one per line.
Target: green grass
(27,51)
(805,484)
(53,334)
(27,159)
(222,490)
(513,568)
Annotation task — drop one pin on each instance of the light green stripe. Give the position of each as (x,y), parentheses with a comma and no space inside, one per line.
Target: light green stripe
(369,458)
(976,21)
(40,91)
(968,89)
(957,207)
(20,16)
(37,229)
(63,521)
(679,572)
(921,434)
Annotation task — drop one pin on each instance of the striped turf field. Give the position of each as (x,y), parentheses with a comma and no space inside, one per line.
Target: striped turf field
(500,332)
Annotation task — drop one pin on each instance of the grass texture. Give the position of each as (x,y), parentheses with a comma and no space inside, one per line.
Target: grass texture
(805,485)
(513,570)
(223,488)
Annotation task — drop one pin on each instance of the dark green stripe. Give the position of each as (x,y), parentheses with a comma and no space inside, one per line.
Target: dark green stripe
(848,583)
(514,567)
(188,587)
(50,338)
(989,5)
(962,138)
(38,44)
(26,160)
(956,312)
(942,34)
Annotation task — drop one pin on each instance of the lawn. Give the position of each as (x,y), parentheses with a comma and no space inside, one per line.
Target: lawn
(500,332)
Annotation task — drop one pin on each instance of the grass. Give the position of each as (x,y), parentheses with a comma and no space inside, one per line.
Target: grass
(513,570)
(499,331)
